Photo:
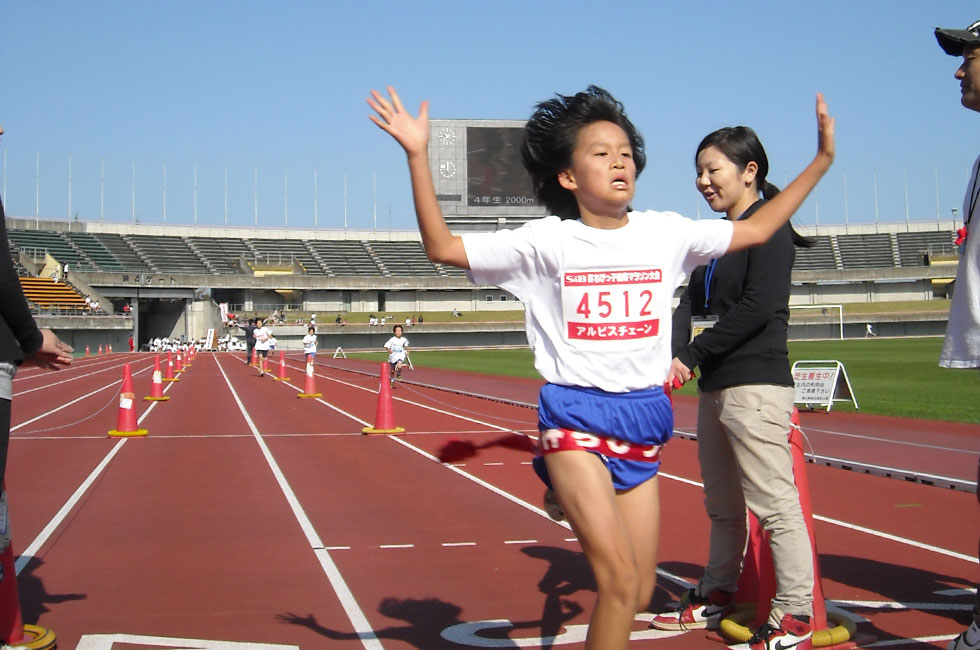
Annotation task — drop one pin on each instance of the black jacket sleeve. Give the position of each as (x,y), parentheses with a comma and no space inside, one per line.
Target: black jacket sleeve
(681,321)
(764,291)
(19,334)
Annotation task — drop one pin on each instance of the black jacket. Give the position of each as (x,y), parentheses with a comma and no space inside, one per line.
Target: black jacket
(19,335)
(749,292)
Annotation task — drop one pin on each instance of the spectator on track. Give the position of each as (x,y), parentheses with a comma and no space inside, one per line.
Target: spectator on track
(961,348)
(732,323)
(21,342)
(603,413)
(249,340)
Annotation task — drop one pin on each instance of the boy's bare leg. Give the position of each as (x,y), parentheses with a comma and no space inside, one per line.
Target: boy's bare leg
(584,489)
(640,509)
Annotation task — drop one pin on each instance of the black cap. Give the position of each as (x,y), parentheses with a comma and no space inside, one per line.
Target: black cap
(954,40)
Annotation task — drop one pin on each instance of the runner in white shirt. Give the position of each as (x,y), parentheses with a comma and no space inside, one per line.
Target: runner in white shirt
(262,335)
(397,347)
(309,344)
(596,282)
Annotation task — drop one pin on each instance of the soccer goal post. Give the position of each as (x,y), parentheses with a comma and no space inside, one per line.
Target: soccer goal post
(822,313)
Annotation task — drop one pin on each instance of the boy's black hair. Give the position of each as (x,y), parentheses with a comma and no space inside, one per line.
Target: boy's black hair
(551,134)
(741,145)
(397,327)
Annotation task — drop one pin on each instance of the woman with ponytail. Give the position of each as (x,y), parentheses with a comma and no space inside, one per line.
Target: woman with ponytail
(732,324)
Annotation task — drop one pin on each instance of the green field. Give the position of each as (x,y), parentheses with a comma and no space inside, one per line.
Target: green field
(889,376)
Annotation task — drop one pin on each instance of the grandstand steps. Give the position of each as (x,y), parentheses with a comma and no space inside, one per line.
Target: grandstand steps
(838,261)
(896,256)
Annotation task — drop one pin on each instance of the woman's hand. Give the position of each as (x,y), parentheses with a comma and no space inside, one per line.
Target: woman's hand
(825,131)
(53,353)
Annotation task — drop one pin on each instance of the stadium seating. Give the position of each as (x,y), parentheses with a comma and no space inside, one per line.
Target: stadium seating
(820,257)
(280,252)
(46,293)
(865,251)
(167,254)
(344,258)
(139,253)
(913,247)
(36,243)
(221,254)
(124,254)
(403,258)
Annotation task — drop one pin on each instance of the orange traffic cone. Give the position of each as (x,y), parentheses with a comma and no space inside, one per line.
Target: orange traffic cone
(86,351)
(100,350)
(310,389)
(282,367)
(126,426)
(384,419)
(169,376)
(156,388)
(757,584)
(13,632)
(255,359)
(108,348)
(179,366)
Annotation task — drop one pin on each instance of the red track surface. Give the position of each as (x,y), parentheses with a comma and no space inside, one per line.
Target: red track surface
(248,515)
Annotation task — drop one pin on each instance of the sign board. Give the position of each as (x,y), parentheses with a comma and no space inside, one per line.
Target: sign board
(211,342)
(821,382)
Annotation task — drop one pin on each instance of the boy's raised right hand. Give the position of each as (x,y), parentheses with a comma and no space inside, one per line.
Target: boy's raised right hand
(412,133)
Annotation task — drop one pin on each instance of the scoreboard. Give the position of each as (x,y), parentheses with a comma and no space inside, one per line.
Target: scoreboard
(478,173)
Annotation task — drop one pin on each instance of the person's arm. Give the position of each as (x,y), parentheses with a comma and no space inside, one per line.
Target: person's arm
(681,335)
(412,133)
(771,216)
(764,290)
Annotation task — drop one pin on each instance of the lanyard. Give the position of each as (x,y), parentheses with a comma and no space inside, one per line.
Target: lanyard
(707,280)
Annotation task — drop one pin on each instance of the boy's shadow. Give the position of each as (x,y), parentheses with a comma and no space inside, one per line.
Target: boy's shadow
(456,451)
(34,597)
(567,573)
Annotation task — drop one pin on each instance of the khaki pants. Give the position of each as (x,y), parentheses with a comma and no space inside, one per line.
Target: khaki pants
(746,462)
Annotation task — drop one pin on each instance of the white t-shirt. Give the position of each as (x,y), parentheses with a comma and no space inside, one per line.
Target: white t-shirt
(961,348)
(309,344)
(262,335)
(598,302)
(396,346)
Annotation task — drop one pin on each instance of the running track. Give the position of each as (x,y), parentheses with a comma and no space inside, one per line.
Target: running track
(251,519)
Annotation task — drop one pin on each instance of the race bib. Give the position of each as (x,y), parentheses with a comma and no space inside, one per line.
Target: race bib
(603,306)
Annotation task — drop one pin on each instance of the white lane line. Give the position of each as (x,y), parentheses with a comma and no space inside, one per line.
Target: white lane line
(332,406)
(354,612)
(420,405)
(396,546)
(62,513)
(42,537)
(74,401)
(860,529)
(493,488)
(521,541)
(63,381)
(459,544)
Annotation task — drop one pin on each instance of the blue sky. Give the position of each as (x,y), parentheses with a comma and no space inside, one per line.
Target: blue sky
(280,88)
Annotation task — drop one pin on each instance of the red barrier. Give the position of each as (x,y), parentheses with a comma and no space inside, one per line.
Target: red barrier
(384,420)
(126,426)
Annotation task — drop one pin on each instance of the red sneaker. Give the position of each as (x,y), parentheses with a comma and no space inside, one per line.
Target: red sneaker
(697,612)
(793,632)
